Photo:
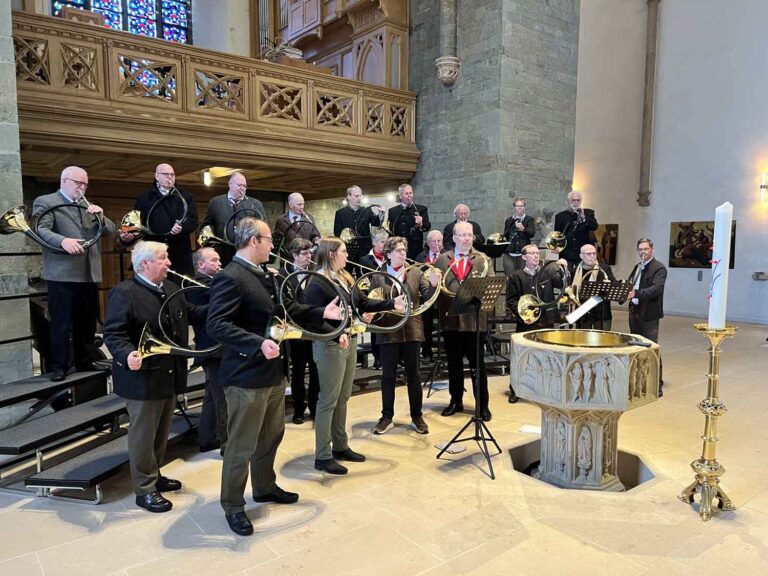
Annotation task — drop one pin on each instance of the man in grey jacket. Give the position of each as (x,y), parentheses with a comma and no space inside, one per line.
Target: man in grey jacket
(73,276)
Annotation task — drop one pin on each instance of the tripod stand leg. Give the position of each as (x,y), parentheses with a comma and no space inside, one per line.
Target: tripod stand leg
(455,439)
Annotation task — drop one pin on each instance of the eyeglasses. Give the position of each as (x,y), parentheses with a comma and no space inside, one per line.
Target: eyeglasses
(78,182)
(305,253)
(263,238)
(400,250)
(167,174)
(589,253)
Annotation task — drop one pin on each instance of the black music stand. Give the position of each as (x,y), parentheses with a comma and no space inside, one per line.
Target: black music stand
(437,366)
(612,291)
(477,295)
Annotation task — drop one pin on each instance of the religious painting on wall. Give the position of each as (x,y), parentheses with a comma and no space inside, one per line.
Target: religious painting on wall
(690,244)
(606,240)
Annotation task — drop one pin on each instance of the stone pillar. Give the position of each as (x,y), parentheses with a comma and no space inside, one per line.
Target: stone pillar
(507,126)
(448,64)
(651,39)
(15,357)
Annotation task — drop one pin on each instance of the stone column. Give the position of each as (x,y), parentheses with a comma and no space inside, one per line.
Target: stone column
(448,63)
(651,38)
(15,356)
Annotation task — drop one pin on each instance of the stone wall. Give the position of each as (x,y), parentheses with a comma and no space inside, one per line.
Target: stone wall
(506,128)
(15,357)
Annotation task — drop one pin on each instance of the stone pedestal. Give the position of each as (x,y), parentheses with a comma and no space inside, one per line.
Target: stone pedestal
(583,380)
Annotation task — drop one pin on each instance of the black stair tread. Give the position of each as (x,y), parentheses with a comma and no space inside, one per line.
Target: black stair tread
(93,467)
(36,433)
(21,390)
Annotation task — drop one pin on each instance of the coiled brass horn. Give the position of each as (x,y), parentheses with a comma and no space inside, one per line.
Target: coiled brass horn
(425,271)
(529,308)
(150,345)
(131,224)
(15,220)
(555,241)
(474,273)
(206,237)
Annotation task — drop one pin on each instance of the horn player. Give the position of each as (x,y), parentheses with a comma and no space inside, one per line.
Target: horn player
(148,385)
(590,270)
(459,331)
(539,282)
(243,304)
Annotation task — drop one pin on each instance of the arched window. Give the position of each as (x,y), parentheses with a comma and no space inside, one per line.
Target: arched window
(166,19)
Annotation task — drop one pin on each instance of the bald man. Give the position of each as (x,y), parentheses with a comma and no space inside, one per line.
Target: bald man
(72,278)
(576,223)
(296,223)
(221,209)
(166,215)
(461,214)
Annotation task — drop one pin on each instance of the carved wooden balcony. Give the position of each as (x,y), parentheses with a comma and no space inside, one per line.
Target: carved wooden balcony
(86,88)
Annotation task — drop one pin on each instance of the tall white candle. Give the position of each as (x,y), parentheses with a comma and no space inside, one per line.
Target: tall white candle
(721,261)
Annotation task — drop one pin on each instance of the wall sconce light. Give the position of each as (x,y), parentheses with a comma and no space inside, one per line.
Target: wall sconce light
(344,202)
(391,197)
(207,178)
(365,200)
(764,188)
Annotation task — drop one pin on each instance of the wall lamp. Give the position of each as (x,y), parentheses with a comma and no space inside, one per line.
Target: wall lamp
(207,178)
(764,188)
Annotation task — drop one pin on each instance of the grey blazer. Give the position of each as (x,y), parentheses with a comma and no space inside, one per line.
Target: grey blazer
(61,224)
(220,210)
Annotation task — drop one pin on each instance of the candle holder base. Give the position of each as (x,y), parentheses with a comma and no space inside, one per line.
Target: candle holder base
(707,469)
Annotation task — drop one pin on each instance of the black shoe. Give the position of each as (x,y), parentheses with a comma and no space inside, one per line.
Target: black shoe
(58,375)
(349,455)
(239,523)
(298,419)
(154,502)
(164,484)
(512,397)
(376,365)
(331,466)
(486,415)
(452,408)
(279,496)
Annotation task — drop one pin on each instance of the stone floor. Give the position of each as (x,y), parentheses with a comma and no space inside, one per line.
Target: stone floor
(405,513)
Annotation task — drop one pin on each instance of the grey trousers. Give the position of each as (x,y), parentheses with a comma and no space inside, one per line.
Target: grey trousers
(336,369)
(147,439)
(255,428)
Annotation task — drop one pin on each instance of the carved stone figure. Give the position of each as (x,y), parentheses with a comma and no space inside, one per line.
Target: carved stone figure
(603,376)
(560,445)
(577,382)
(585,451)
(589,383)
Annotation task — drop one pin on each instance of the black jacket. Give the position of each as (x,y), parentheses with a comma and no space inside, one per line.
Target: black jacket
(220,211)
(541,284)
(131,304)
(603,310)
(361,221)
(576,233)
(402,222)
(519,238)
(448,235)
(164,216)
(243,300)
(201,297)
(650,296)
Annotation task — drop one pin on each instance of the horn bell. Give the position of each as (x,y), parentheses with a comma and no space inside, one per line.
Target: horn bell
(149,345)
(529,308)
(14,220)
(207,237)
(555,241)
(131,224)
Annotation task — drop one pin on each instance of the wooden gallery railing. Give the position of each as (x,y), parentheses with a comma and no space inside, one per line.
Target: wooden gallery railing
(80,66)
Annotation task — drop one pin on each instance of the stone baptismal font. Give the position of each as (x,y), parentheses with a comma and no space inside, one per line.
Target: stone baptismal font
(583,380)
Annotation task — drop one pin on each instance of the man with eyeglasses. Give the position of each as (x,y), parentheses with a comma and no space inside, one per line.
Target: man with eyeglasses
(167,208)
(519,230)
(72,278)
(461,214)
(429,256)
(360,220)
(221,209)
(576,223)
(590,270)
(243,304)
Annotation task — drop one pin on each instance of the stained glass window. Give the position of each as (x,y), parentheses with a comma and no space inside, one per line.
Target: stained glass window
(167,19)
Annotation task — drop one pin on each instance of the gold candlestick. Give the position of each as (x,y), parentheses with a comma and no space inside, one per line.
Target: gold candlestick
(708,470)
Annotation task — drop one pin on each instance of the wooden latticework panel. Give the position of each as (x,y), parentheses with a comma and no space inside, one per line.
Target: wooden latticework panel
(219,91)
(31,60)
(147,78)
(284,102)
(374,123)
(79,67)
(334,110)
(398,123)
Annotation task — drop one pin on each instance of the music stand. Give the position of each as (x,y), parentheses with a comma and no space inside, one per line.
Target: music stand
(477,295)
(612,291)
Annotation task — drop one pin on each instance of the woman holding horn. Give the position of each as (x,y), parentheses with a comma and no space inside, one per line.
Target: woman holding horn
(336,359)
(405,343)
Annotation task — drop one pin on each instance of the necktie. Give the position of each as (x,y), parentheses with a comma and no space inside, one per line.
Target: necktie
(461,267)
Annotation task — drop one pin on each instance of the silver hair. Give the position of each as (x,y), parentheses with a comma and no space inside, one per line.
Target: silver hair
(572,192)
(354,188)
(459,206)
(145,251)
(378,236)
(232,176)
(293,197)
(433,234)
(401,188)
(246,229)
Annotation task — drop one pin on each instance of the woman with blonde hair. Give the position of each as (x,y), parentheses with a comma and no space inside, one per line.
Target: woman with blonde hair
(336,359)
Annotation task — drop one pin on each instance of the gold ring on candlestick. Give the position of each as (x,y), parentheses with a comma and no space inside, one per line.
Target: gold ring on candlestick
(707,469)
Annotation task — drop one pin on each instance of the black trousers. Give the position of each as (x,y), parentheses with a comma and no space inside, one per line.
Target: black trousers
(457,346)
(213,415)
(73,307)
(428,318)
(301,359)
(647,328)
(391,354)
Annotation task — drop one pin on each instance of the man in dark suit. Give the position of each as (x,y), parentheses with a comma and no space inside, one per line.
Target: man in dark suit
(409,220)
(165,198)
(243,300)
(429,256)
(358,219)
(519,230)
(537,281)
(222,207)
(575,223)
(148,385)
(296,223)
(72,278)
(459,332)
(590,270)
(646,299)
(212,428)
(461,212)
